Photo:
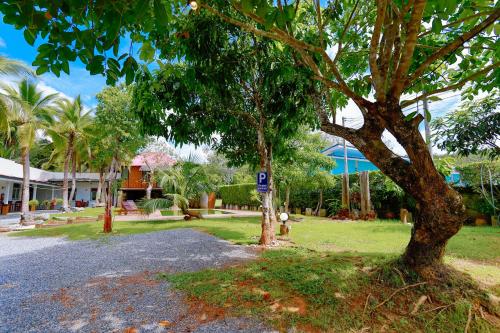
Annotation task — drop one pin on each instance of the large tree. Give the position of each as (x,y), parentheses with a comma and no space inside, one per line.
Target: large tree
(119,138)
(28,110)
(386,56)
(71,130)
(383,55)
(233,85)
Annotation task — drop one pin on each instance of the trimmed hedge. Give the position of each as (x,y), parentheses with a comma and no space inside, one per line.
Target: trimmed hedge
(239,194)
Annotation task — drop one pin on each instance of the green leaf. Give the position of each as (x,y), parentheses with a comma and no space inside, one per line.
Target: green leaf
(147,52)
(289,12)
(434,98)
(42,69)
(437,25)
(161,15)
(29,36)
(246,6)
(65,67)
(411,115)
(428,115)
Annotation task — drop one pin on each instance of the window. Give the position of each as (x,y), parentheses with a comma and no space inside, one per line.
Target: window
(16,192)
(93,194)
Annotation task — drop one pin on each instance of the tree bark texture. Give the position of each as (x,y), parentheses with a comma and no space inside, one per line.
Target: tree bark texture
(107,228)
(287,198)
(73,177)
(439,209)
(25,198)
(99,187)
(268,235)
(67,158)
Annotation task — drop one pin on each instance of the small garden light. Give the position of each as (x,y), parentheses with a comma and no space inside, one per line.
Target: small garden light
(283,217)
(193,4)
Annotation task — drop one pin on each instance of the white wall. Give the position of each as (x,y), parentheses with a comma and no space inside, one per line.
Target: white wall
(83,190)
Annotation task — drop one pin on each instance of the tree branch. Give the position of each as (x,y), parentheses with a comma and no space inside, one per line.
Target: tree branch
(346,27)
(455,86)
(457,22)
(445,50)
(409,46)
(374,43)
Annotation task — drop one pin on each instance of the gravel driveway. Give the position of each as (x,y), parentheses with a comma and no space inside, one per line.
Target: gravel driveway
(54,285)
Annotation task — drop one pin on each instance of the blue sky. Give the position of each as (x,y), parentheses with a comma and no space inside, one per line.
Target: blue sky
(79,81)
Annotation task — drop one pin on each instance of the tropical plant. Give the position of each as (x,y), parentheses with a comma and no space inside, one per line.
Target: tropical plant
(10,67)
(182,183)
(29,110)
(71,130)
(472,129)
(384,56)
(117,138)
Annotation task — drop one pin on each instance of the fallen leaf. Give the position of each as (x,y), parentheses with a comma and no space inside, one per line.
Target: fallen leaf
(165,323)
(291,309)
(275,307)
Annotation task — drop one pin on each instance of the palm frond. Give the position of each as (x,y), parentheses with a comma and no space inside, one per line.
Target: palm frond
(14,67)
(151,205)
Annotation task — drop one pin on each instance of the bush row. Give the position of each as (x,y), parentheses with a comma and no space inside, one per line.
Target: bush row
(239,194)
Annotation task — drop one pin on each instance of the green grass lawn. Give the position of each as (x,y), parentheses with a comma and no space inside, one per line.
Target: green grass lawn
(320,234)
(91,212)
(319,283)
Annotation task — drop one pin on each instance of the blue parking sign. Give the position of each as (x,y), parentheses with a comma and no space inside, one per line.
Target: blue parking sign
(262,182)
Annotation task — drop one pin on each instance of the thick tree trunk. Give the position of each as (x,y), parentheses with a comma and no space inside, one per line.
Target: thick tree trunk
(440,212)
(73,177)
(25,198)
(67,158)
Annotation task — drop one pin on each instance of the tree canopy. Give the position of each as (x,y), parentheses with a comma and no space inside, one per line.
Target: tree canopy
(472,129)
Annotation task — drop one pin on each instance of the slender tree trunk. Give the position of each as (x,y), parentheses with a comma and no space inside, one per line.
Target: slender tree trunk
(25,156)
(439,211)
(99,186)
(107,228)
(272,190)
(73,177)
(320,203)
(267,235)
(67,158)
(287,198)
(104,195)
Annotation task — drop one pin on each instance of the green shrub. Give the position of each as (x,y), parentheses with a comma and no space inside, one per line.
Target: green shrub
(239,194)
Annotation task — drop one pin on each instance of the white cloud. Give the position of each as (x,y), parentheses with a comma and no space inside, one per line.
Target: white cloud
(2,43)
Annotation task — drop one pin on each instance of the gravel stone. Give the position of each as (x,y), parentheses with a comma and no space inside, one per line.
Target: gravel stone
(110,285)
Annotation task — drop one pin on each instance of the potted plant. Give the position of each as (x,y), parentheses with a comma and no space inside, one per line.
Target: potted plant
(46,204)
(58,203)
(33,204)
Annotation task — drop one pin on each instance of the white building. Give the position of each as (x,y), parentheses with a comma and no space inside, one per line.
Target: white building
(44,185)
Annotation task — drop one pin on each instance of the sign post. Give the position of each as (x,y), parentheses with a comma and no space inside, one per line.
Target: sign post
(262,182)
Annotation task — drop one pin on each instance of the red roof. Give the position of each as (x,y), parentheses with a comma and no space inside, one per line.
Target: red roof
(153,160)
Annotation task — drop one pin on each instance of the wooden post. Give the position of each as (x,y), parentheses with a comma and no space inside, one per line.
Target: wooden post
(345,178)
(364,189)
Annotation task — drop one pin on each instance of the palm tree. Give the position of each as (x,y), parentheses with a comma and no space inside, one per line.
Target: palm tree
(9,67)
(181,183)
(28,111)
(70,134)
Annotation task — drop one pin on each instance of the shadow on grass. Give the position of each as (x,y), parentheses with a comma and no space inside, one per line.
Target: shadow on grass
(312,292)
